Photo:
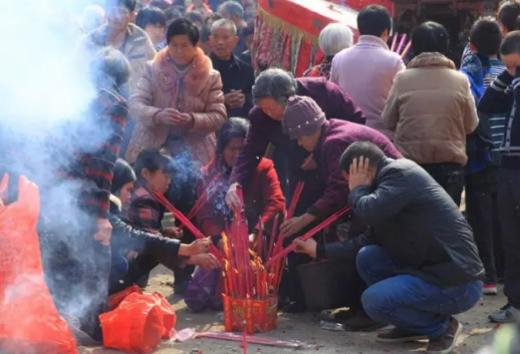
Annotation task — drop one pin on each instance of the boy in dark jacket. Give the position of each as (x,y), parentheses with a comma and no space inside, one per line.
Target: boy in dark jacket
(419,261)
(482,67)
(504,95)
(135,252)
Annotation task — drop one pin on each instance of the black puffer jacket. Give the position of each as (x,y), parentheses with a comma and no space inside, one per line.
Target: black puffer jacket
(127,238)
(417,223)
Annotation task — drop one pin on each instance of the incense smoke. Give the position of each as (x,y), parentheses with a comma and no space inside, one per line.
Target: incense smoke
(46,88)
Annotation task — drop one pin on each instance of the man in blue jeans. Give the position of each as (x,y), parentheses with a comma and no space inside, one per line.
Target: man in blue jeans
(419,259)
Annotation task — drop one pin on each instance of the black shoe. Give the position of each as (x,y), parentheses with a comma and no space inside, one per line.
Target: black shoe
(294,307)
(397,335)
(445,343)
(360,322)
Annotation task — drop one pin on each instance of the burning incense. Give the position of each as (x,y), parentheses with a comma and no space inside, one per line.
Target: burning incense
(325,223)
(406,49)
(401,43)
(295,199)
(394,42)
(203,198)
(186,222)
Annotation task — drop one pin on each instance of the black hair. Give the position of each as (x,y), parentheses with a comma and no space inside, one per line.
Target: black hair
(171,14)
(430,37)
(511,43)
(485,35)
(195,17)
(150,16)
(123,174)
(361,149)
(374,20)
(110,68)
(182,26)
(161,4)
(509,15)
(129,4)
(152,160)
(235,127)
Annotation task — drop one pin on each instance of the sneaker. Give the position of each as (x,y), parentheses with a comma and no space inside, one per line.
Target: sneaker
(397,335)
(490,289)
(507,314)
(445,343)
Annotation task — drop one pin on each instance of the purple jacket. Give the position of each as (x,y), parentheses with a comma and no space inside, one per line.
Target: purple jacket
(336,136)
(264,130)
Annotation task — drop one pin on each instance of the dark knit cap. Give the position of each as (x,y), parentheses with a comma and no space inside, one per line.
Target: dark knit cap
(302,116)
(123,174)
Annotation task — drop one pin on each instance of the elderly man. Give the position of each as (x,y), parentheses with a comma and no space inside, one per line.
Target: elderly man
(237,77)
(419,261)
(272,89)
(234,11)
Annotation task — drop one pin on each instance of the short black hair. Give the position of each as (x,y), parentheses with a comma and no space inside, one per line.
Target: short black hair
(430,37)
(182,26)
(374,20)
(485,35)
(150,16)
(361,149)
(123,174)
(195,17)
(129,4)
(509,15)
(235,127)
(153,160)
(171,14)
(511,43)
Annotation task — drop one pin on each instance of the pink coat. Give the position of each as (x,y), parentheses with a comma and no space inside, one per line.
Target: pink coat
(202,97)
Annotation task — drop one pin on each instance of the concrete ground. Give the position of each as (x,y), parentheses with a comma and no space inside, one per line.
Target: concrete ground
(478,332)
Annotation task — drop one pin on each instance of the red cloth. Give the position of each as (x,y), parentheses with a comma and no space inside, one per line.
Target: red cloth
(263,197)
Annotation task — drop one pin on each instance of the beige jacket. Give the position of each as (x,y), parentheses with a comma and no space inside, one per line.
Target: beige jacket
(201,96)
(431,110)
(137,48)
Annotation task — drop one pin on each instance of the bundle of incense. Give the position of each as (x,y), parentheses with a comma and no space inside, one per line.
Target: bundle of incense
(203,198)
(186,222)
(404,45)
(325,223)
(295,199)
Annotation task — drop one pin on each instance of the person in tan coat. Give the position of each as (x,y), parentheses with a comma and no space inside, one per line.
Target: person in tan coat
(431,110)
(178,102)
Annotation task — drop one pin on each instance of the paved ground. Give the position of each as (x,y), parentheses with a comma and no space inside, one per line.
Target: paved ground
(477,331)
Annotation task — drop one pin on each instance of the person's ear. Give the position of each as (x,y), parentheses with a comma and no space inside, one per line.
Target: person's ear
(345,175)
(385,35)
(236,39)
(145,173)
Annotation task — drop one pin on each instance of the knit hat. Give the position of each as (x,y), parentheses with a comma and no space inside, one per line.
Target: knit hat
(123,174)
(302,116)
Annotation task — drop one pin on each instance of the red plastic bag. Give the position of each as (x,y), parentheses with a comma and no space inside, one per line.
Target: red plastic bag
(29,321)
(139,323)
(115,299)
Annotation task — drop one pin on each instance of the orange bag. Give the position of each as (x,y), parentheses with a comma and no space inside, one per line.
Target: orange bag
(29,321)
(139,323)
(115,299)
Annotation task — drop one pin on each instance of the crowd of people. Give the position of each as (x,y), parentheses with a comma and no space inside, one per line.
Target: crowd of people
(403,143)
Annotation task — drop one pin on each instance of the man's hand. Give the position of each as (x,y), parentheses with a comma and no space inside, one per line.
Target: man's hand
(173,232)
(104,231)
(206,261)
(308,247)
(360,173)
(199,246)
(232,199)
(294,225)
(234,99)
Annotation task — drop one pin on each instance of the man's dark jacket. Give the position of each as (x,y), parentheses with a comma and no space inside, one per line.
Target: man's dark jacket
(417,223)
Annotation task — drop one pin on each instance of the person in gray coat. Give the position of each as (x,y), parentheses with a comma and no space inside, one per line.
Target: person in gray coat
(419,259)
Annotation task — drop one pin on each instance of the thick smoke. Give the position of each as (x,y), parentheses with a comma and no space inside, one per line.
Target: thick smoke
(46,88)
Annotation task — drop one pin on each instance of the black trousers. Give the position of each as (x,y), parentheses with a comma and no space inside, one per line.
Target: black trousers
(450,176)
(482,212)
(509,211)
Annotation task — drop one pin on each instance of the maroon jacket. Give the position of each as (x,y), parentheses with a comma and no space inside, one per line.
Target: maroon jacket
(263,198)
(336,136)
(264,130)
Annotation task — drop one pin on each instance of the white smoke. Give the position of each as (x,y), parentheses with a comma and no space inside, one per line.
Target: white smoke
(45,92)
